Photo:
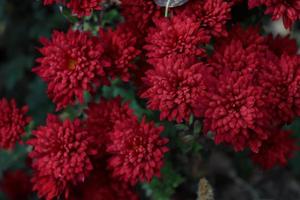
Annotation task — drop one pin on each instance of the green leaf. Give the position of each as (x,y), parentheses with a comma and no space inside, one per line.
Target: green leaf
(68,15)
(110,17)
(14,159)
(163,188)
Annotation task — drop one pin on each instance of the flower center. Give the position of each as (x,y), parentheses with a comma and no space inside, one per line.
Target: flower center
(71,64)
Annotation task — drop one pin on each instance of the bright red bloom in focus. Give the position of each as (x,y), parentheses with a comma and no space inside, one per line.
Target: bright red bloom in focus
(276,150)
(84,7)
(236,112)
(121,48)
(235,57)
(211,14)
(175,86)
(72,63)
(12,123)
(16,185)
(79,7)
(178,36)
(101,118)
(288,10)
(137,150)
(61,157)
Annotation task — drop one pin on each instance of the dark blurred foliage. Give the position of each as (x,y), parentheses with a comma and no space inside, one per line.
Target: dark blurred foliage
(22,23)
(192,156)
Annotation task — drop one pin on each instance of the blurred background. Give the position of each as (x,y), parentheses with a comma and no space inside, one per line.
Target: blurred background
(231,175)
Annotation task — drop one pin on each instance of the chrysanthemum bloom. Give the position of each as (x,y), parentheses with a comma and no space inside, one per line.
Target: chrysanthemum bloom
(211,14)
(16,185)
(175,86)
(288,10)
(78,7)
(139,13)
(101,118)
(137,150)
(232,56)
(236,112)
(178,36)
(100,185)
(276,150)
(71,63)
(281,82)
(121,48)
(61,156)
(84,7)
(12,123)
(244,51)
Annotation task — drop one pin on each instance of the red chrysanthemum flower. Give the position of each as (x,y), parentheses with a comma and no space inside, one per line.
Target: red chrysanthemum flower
(61,157)
(211,14)
(234,57)
(236,112)
(137,150)
(138,13)
(276,150)
(288,10)
(101,186)
(72,63)
(101,118)
(282,45)
(79,7)
(175,86)
(12,123)
(281,81)
(178,36)
(16,185)
(121,48)
(244,51)
(84,7)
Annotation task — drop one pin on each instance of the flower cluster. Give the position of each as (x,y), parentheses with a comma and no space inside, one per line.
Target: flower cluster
(135,148)
(13,121)
(66,155)
(255,93)
(243,86)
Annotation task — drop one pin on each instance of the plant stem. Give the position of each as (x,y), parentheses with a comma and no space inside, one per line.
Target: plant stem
(167,8)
